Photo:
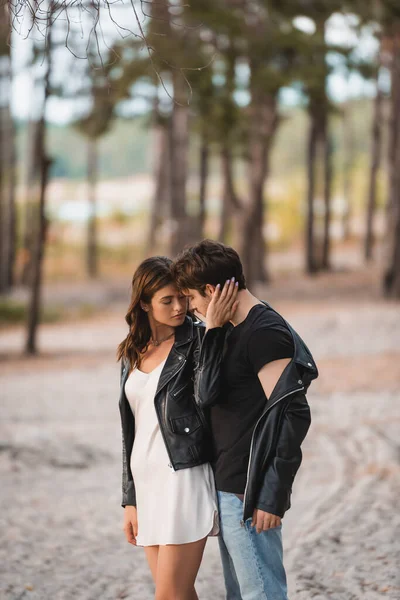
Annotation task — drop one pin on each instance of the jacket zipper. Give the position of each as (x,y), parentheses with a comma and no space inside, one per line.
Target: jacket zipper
(180,389)
(252,440)
(171,464)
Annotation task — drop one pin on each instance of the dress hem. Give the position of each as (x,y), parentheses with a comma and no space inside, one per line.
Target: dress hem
(214,531)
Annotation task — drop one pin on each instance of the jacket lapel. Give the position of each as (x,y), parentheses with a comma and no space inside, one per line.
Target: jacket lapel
(176,358)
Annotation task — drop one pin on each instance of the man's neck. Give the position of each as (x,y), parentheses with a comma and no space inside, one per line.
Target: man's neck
(246,303)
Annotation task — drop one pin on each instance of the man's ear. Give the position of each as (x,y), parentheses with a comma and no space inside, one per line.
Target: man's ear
(210,289)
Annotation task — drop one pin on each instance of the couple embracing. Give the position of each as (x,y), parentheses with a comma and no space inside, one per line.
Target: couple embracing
(213,415)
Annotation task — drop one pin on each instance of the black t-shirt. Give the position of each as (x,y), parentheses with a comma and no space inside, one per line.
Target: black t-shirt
(261,338)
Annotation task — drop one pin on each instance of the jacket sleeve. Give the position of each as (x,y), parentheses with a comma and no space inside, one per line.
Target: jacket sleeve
(207,370)
(128,486)
(276,488)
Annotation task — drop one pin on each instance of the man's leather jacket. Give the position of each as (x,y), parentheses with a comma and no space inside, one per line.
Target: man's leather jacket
(182,422)
(275,453)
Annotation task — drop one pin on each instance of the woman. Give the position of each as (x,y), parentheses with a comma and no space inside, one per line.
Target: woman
(168,488)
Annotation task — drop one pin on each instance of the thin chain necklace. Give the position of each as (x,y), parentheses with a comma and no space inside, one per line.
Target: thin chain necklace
(158,342)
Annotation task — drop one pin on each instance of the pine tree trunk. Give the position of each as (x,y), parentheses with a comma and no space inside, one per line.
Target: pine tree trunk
(347,171)
(327,145)
(204,165)
(3,194)
(3,215)
(160,207)
(391,280)
(263,125)
(41,229)
(374,170)
(311,266)
(7,158)
(92,166)
(12,212)
(31,190)
(178,153)
(230,205)
(38,257)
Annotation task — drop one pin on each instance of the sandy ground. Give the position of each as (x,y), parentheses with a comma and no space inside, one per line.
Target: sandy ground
(60,516)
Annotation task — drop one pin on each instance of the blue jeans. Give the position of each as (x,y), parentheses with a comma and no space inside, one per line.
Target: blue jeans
(252,562)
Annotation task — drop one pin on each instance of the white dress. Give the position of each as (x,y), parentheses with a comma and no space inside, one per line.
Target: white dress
(173,507)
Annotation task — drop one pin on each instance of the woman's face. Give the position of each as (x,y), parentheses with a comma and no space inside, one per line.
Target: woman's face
(168,306)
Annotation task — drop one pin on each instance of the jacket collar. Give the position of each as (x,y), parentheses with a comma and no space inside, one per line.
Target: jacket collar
(184,333)
(177,357)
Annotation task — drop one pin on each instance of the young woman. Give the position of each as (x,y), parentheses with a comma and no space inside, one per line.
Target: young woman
(169,496)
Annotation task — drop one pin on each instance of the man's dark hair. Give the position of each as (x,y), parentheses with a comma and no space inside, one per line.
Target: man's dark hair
(207,262)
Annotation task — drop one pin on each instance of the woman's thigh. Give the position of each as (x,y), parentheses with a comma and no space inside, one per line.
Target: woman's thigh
(177,569)
(152,558)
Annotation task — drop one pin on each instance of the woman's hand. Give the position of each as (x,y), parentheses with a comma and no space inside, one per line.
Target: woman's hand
(223,304)
(130,524)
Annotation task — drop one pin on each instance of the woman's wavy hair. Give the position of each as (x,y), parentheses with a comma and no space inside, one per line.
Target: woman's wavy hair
(151,275)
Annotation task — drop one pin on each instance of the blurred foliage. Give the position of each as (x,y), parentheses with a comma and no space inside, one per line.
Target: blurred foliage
(13,312)
(125,150)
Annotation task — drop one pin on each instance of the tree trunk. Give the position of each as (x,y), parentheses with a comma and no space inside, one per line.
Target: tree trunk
(3,194)
(319,170)
(31,190)
(12,212)
(160,207)
(7,202)
(37,262)
(263,125)
(204,164)
(7,158)
(178,153)
(41,229)
(3,214)
(374,170)
(327,145)
(311,266)
(92,167)
(391,279)
(230,202)
(347,171)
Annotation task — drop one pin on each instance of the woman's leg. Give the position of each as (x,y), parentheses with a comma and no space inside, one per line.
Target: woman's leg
(152,558)
(177,569)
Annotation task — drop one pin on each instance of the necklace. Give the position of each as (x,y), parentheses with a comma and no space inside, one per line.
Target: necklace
(158,342)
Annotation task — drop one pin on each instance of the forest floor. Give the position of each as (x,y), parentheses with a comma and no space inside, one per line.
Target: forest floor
(60,517)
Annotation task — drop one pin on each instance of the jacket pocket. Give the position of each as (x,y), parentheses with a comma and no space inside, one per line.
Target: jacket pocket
(187,388)
(185,425)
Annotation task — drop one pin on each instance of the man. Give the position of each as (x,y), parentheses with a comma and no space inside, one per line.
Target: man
(258,423)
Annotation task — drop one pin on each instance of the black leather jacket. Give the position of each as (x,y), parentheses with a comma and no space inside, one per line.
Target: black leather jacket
(182,422)
(275,453)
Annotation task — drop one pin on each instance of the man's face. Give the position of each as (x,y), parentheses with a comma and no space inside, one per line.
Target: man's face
(198,303)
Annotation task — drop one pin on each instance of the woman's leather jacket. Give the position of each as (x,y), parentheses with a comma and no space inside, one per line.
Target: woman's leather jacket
(182,422)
